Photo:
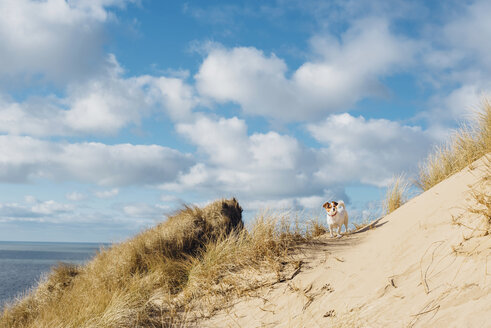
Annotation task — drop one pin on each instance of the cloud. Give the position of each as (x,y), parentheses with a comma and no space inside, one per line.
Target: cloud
(222,140)
(341,72)
(33,211)
(469,30)
(75,196)
(458,105)
(173,94)
(368,151)
(51,207)
(456,64)
(103,105)
(54,40)
(27,159)
(144,211)
(63,218)
(263,164)
(294,203)
(107,193)
(245,76)
(275,170)
(99,106)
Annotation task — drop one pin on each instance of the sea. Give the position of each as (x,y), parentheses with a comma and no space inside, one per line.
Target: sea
(22,264)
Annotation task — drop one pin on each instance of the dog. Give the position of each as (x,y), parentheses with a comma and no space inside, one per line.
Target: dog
(337,216)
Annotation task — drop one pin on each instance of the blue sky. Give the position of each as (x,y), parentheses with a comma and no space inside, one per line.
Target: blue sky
(114,113)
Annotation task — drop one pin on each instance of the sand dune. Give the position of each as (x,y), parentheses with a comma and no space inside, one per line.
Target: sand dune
(424,265)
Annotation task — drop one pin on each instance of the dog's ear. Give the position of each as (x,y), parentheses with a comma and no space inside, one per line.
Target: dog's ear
(335,203)
(325,204)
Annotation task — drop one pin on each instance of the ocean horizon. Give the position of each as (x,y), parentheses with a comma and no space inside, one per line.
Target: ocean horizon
(24,263)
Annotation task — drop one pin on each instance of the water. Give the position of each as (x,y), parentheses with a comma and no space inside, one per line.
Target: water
(23,263)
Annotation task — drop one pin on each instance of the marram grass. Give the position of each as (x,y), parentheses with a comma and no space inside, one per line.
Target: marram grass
(397,194)
(168,276)
(469,143)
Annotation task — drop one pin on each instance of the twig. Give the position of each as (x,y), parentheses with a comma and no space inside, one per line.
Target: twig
(234,321)
(265,310)
(423,276)
(306,305)
(427,311)
(297,271)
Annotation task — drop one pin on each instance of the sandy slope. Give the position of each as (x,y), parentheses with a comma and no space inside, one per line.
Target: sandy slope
(417,268)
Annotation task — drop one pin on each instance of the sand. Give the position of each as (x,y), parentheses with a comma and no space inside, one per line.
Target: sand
(427,264)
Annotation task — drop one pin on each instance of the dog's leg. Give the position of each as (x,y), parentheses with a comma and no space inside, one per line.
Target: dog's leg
(330,230)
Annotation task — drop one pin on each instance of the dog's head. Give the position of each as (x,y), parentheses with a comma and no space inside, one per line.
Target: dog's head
(331,207)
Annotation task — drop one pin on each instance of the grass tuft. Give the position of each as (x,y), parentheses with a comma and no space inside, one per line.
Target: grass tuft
(482,198)
(471,142)
(397,194)
(316,228)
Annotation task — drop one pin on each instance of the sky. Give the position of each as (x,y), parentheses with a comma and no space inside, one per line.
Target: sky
(115,113)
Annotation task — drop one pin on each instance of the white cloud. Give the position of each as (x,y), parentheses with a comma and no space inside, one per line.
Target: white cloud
(285,204)
(274,170)
(170,199)
(144,211)
(470,31)
(30,199)
(369,151)
(107,193)
(341,73)
(260,165)
(292,203)
(50,207)
(455,64)
(102,105)
(55,39)
(247,77)
(277,171)
(26,159)
(75,196)
(175,96)
(71,217)
(33,210)
(312,202)
(458,105)
(10,211)
(222,140)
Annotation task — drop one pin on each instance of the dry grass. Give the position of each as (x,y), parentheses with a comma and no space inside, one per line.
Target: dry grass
(316,228)
(183,269)
(397,194)
(480,204)
(363,225)
(481,196)
(476,220)
(471,142)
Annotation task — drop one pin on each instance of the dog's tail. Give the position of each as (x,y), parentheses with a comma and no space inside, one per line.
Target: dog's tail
(341,203)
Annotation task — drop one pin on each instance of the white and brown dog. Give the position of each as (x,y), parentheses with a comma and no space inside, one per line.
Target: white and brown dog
(336,216)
